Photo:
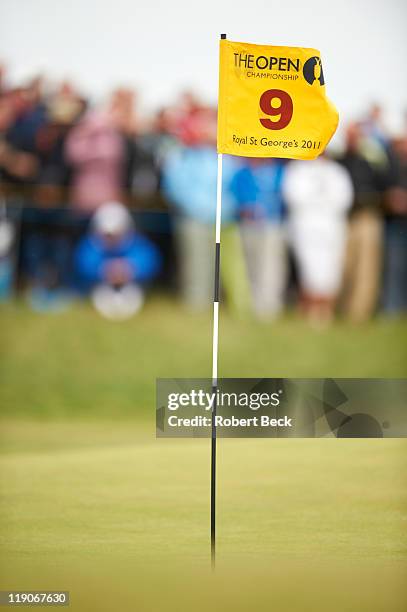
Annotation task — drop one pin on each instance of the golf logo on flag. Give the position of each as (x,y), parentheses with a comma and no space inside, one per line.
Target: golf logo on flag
(272,102)
(313,71)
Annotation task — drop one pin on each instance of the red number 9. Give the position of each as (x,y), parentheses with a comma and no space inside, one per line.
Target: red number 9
(284,111)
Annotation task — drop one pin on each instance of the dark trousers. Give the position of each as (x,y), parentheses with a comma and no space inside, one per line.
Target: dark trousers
(395,266)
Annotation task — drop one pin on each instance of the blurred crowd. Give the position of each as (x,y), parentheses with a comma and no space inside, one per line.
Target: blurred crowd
(97,201)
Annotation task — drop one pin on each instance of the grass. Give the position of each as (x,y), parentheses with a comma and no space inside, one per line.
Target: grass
(93,503)
(121,520)
(75,364)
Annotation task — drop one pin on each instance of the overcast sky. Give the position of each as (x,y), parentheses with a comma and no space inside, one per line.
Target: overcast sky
(164,46)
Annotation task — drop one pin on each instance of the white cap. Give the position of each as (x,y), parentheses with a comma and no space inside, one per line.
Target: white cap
(112,218)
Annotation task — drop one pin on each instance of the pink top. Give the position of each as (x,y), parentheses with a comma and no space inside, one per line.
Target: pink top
(96,151)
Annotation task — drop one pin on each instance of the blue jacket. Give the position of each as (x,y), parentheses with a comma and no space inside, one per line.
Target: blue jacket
(189,183)
(257,190)
(92,254)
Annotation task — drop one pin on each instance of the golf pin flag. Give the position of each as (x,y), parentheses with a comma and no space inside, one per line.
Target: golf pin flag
(272,102)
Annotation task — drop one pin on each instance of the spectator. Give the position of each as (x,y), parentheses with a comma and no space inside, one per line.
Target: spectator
(161,138)
(51,152)
(373,127)
(115,261)
(257,189)
(96,151)
(395,250)
(63,108)
(122,111)
(21,116)
(46,259)
(190,175)
(7,116)
(365,241)
(30,116)
(318,193)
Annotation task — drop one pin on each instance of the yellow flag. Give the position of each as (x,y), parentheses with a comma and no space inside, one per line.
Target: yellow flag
(272,102)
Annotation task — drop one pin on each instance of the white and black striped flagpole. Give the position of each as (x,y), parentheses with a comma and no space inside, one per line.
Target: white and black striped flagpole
(215,345)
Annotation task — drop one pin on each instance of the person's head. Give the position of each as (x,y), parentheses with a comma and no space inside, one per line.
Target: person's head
(26,98)
(166,120)
(353,136)
(400,148)
(112,222)
(189,102)
(375,113)
(200,128)
(65,106)
(18,101)
(7,113)
(34,90)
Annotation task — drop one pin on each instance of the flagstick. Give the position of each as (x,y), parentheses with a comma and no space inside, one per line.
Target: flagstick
(215,346)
